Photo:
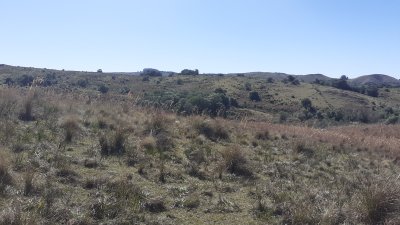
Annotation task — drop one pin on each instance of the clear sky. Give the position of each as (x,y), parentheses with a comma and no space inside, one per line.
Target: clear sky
(333,37)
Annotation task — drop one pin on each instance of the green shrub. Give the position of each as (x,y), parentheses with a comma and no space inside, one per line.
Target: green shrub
(103,89)
(82,83)
(25,80)
(254,96)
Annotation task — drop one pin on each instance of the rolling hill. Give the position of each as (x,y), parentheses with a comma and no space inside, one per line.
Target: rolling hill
(379,80)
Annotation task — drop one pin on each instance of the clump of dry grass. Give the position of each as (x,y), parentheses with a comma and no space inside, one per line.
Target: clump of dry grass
(71,127)
(26,113)
(28,183)
(380,203)
(149,144)
(8,103)
(212,129)
(301,147)
(115,144)
(127,198)
(5,176)
(13,215)
(262,135)
(157,124)
(235,161)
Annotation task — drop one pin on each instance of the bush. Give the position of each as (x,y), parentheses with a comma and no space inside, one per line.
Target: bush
(233,102)
(25,80)
(372,91)
(103,89)
(247,86)
(82,83)
(306,103)
(155,206)
(392,120)
(50,79)
(254,96)
(9,81)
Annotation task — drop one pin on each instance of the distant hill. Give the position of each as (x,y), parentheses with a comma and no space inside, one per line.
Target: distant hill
(309,78)
(379,80)
(375,79)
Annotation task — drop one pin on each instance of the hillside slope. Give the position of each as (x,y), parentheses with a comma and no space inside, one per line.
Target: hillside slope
(376,80)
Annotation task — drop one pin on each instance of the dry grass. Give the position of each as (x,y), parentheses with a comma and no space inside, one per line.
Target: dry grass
(71,127)
(383,139)
(379,202)
(235,162)
(165,165)
(5,176)
(213,129)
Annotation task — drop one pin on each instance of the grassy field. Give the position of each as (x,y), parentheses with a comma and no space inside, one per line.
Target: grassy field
(72,155)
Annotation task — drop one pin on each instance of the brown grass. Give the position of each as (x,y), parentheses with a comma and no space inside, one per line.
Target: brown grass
(5,176)
(382,139)
(380,202)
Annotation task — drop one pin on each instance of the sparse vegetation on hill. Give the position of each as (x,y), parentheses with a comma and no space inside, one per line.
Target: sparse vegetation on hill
(200,152)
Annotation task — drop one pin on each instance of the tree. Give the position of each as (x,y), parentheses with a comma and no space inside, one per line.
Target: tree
(151,72)
(190,72)
(341,84)
(254,96)
(99,70)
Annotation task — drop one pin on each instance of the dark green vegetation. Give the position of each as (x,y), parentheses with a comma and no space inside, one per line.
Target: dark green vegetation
(195,149)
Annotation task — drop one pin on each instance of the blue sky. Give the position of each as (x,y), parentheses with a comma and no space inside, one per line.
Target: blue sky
(333,37)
